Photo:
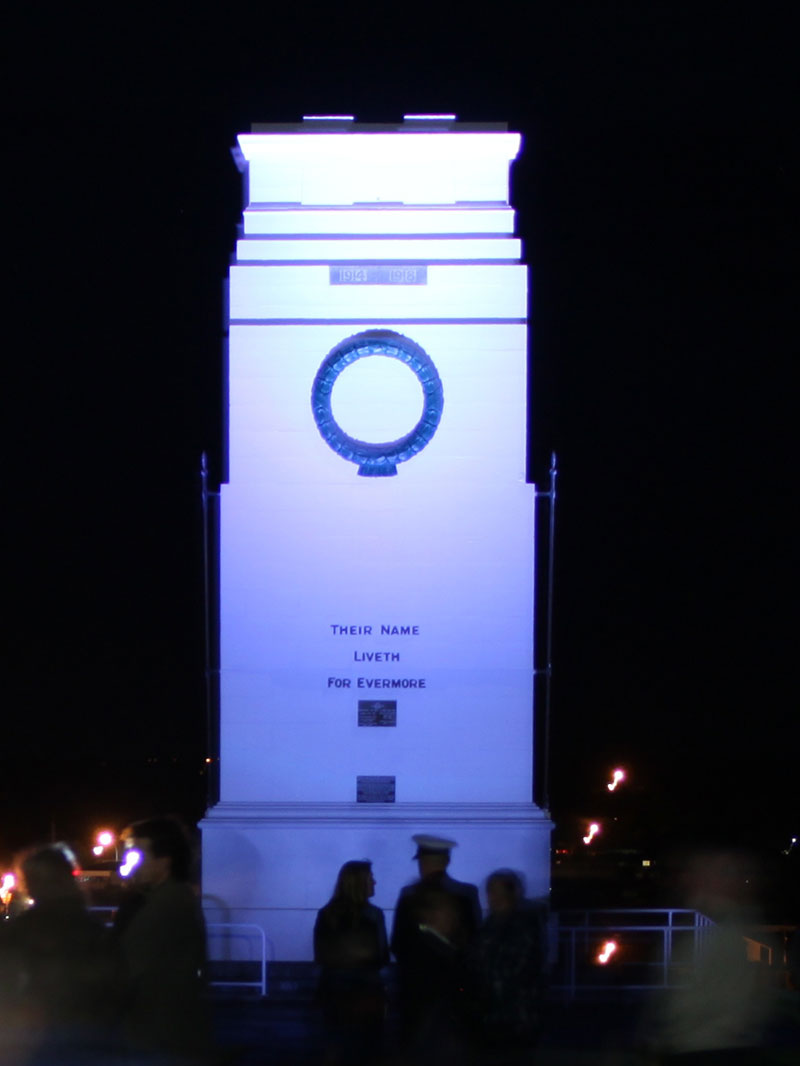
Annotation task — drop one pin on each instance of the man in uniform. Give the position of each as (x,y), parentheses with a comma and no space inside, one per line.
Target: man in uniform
(435,921)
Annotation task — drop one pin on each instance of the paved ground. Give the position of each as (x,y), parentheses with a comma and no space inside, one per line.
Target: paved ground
(285,1033)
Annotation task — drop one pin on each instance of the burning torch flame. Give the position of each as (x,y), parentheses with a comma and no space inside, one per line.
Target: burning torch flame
(606,952)
(591,833)
(616,778)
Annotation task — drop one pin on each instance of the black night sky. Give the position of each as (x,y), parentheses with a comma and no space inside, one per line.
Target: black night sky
(656,197)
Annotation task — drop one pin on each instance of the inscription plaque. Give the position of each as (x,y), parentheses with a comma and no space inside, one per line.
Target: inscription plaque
(375,789)
(362,274)
(377,712)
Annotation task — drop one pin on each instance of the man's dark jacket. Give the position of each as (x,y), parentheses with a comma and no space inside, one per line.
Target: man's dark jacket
(406,925)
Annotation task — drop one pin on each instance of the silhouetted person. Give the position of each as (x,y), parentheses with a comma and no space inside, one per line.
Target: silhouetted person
(164,949)
(351,948)
(508,964)
(59,974)
(435,922)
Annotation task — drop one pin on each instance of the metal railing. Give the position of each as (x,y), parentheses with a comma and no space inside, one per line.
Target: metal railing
(245,947)
(240,940)
(644,952)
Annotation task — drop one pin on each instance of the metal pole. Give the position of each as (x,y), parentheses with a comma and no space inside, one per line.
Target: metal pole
(206,627)
(548,675)
(547,670)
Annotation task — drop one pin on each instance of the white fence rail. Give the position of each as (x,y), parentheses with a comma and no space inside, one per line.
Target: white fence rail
(240,947)
(237,947)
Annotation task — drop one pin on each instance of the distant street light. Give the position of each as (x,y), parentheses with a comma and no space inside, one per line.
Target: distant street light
(6,888)
(104,838)
(591,832)
(617,777)
(132,858)
(608,949)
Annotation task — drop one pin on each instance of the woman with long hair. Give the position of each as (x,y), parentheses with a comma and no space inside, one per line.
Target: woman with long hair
(350,947)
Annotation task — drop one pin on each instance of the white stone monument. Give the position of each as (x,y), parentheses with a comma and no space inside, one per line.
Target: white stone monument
(376,567)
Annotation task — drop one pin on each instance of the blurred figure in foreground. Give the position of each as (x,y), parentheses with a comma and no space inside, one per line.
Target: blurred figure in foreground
(59,974)
(163,943)
(508,963)
(350,947)
(720,1014)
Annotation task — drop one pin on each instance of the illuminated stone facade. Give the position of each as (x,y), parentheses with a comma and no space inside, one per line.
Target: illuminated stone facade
(377,546)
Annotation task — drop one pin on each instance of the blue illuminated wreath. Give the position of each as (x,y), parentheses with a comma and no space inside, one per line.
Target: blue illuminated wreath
(377,460)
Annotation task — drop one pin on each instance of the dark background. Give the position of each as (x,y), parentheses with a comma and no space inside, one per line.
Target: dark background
(656,197)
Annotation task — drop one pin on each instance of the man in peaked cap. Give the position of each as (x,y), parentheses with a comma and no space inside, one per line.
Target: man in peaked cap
(435,920)
(433,858)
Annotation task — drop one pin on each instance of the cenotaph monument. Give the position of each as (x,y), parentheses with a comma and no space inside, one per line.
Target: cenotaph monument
(376,562)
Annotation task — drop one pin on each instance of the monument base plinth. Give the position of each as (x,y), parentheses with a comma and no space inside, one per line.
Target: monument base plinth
(274,865)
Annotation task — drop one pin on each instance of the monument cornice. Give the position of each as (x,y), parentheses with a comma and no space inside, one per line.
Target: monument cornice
(388,813)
